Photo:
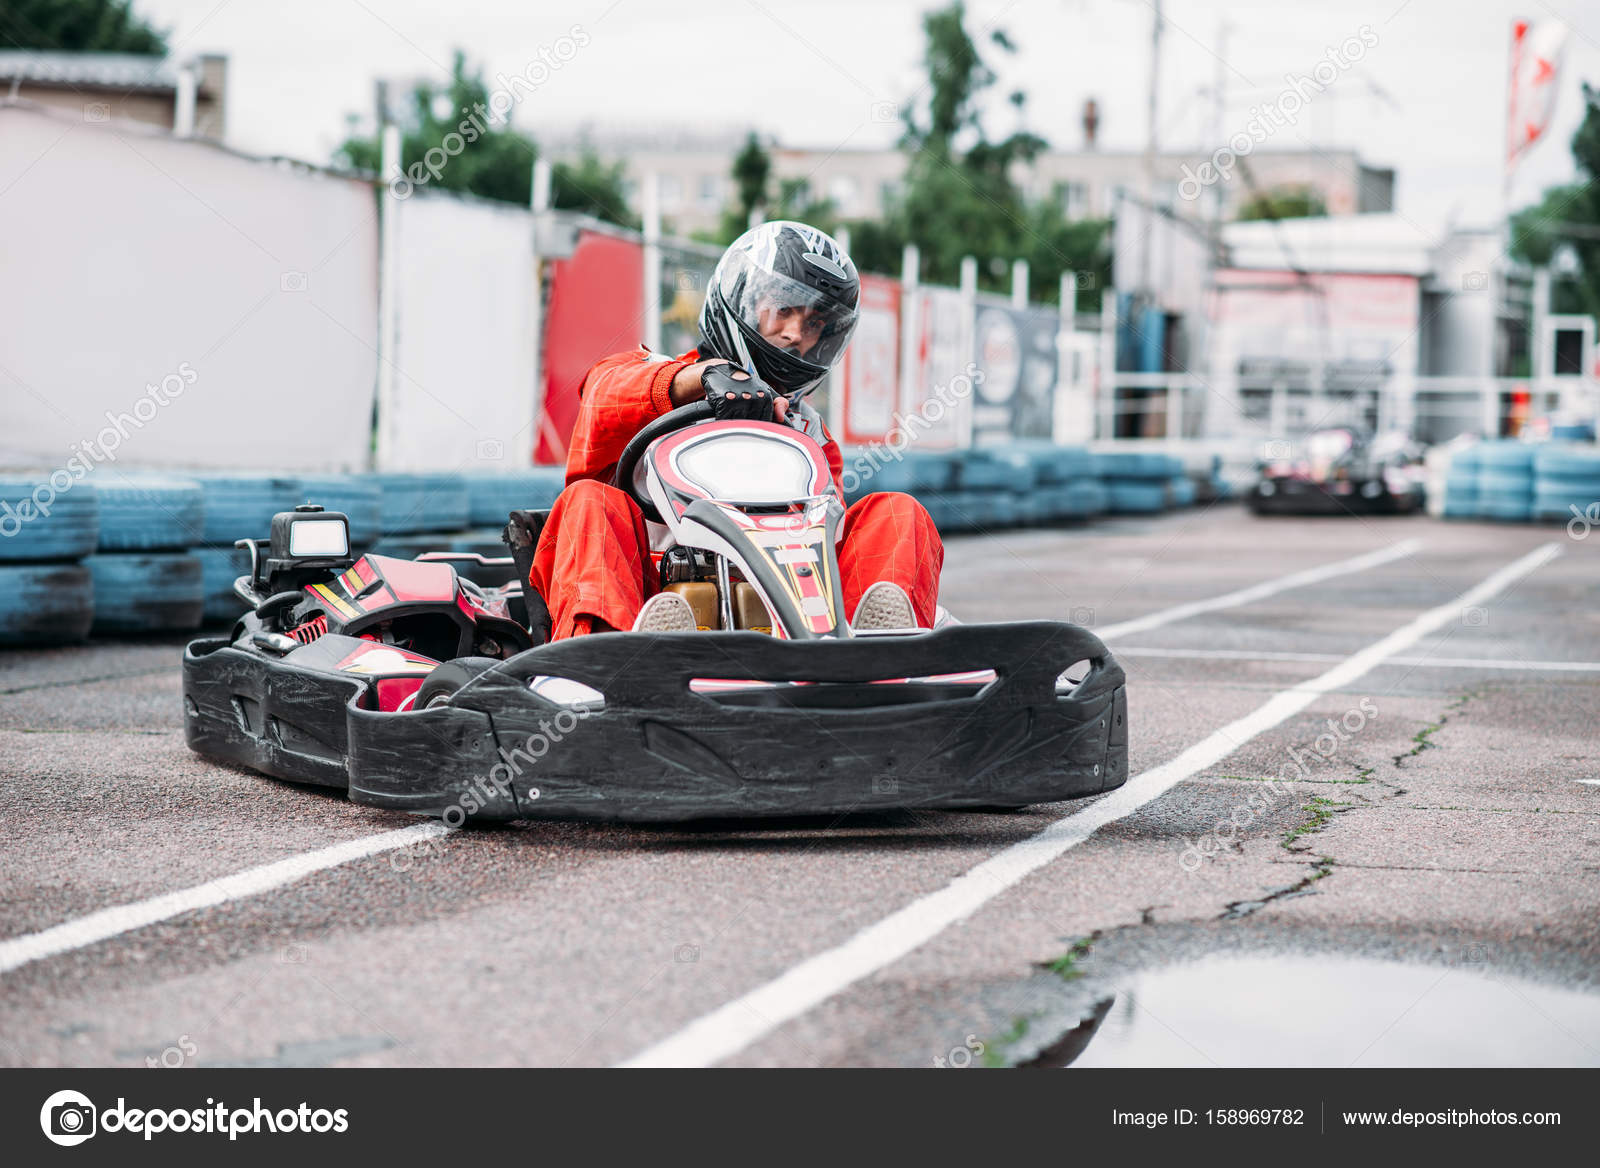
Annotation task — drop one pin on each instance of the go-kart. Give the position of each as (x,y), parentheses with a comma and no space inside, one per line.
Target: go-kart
(411,686)
(1340,471)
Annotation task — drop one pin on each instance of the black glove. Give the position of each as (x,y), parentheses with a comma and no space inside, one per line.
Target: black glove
(740,399)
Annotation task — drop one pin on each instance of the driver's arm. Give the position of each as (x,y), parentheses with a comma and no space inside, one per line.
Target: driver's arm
(620,395)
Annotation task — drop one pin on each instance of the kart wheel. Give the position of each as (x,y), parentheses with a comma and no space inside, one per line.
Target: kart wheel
(444,682)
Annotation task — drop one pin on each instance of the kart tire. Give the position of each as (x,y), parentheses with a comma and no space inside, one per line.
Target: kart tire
(356,497)
(149,514)
(423,502)
(45,604)
(69,532)
(1567,499)
(440,685)
(492,497)
(242,506)
(982,470)
(138,592)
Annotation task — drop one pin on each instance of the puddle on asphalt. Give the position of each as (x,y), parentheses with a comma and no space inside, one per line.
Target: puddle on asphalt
(1321,1011)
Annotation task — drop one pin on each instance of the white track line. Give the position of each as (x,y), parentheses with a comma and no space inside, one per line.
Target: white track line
(111,922)
(1260,591)
(1322,658)
(729,1029)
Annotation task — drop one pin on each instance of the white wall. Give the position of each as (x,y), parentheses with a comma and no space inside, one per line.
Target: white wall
(464,392)
(126,254)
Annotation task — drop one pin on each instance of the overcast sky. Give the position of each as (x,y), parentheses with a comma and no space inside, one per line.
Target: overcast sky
(1428,98)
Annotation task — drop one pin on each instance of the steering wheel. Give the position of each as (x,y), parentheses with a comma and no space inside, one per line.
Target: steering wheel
(668,423)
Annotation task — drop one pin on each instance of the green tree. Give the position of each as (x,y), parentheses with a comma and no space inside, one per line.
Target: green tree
(959,196)
(494,161)
(1569,215)
(79,26)
(1286,203)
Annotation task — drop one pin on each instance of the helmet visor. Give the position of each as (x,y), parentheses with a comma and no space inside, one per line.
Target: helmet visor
(805,319)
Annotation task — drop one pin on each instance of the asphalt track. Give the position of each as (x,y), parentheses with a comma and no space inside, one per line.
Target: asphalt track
(155,908)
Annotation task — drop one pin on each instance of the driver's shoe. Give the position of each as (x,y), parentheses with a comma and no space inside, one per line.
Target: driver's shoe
(665,612)
(884,606)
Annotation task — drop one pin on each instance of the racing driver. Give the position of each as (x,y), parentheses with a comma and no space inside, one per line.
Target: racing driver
(782,305)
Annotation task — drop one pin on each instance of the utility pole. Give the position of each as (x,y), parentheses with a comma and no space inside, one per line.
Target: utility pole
(1150,147)
(1219,106)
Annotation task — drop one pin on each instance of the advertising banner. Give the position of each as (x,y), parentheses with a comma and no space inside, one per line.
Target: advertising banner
(870,386)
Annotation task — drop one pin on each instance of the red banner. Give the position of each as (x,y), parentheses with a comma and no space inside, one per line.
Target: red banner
(595,308)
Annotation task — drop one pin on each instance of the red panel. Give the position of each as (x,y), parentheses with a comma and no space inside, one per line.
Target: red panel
(395,692)
(870,387)
(596,308)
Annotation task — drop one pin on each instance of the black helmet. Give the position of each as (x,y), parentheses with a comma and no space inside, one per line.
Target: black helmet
(774,268)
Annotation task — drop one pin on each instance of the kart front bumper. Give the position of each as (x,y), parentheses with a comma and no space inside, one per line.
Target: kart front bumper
(861,732)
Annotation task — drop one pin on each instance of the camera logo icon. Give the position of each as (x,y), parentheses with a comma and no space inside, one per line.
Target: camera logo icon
(1474,281)
(885,111)
(490,450)
(96,111)
(68,1118)
(293,282)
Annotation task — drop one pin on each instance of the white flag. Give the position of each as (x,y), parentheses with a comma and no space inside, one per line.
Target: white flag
(1536,51)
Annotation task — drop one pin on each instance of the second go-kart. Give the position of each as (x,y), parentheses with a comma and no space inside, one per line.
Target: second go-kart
(412,687)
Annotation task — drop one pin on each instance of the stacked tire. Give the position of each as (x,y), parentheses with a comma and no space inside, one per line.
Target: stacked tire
(1566,484)
(1461,485)
(1065,487)
(987,490)
(48,524)
(1505,481)
(236,507)
(144,578)
(1137,482)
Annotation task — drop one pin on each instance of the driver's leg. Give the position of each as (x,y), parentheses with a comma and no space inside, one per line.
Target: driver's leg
(592,565)
(890,536)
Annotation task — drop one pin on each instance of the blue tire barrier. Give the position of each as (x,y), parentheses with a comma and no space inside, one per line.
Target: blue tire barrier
(1507,508)
(1492,481)
(219,568)
(913,471)
(423,502)
(1505,454)
(45,604)
(357,497)
(242,506)
(409,545)
(146,592)
(492,497)
(985,470)
(1135,464)
(38,522)
(1125,497)
(1562,460)
(1460,502)
(1183,491)
(1567,500)
(1055,465)
(1079,500)
(149,514)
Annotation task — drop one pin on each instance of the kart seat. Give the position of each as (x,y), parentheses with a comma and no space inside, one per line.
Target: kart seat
(522,536)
